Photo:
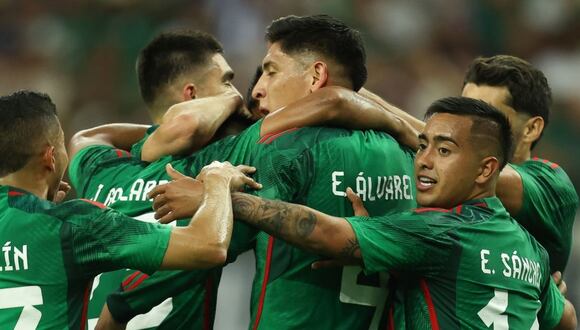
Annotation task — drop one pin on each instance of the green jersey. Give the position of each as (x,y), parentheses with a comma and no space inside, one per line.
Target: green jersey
(52,252)
(470,267)
(314,166)
(549,208)
(114,178)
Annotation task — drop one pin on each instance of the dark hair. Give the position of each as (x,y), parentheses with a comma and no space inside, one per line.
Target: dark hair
(326,36)
(487,121)
(251,102)
(528,87)
(171,54)
(25,119)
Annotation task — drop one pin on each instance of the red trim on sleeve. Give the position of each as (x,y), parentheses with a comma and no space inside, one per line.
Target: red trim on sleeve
(138,282)
(431,209)
(265,281)
(129,279)
(207,304)
(430,306)
(95,203)
(85,304)
(13,193)
(119,153)
(554,165)
(391,324)
(270,137)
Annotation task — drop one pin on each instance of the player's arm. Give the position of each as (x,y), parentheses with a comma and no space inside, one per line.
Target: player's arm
(188,126)
(510,189)
(299,225)
(120,136)
(107,322)
(417,124)
(568,320)
(204,242)
(337,106)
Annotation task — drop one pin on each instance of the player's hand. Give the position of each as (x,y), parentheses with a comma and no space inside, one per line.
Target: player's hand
(63,189)
(177,199)
(332,263)
(236,175)
(357,204)
(557,276)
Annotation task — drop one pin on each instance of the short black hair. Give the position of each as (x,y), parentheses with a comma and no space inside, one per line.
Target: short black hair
(26,118)
(528,86)
(326,36)
(487,121)
(171,54)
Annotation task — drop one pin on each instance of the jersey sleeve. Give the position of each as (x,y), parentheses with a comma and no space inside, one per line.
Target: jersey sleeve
(137,148)
(548,208)
(100,239)
(401,242)
(86,161)
(552,308)
(139,293)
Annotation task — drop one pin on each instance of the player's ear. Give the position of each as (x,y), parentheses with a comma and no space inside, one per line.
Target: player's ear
(319,76)
(487,168)
(49,159)
(189,92)
(533,129)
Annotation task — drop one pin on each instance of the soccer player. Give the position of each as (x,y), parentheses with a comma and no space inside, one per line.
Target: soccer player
(53,251)
(460,261)
(186,84)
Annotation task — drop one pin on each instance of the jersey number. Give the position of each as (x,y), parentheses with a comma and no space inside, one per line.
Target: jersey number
(26,297)
(492,313)
(351,292)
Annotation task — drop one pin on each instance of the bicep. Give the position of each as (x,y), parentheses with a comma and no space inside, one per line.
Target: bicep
(510,189)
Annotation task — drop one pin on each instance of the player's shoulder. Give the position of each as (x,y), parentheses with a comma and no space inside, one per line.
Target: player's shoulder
(76,210)
(547,176)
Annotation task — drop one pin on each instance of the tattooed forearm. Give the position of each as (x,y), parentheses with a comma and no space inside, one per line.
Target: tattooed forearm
(278,218)
(350,249)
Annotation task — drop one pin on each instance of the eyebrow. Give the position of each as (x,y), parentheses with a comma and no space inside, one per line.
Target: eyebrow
(268,65)
(439,138)
(228,76)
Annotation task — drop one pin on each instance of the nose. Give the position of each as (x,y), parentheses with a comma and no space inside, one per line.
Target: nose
(424,159)
(259,91)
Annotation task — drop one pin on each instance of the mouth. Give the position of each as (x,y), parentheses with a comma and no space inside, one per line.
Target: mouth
(263,111)
(424,183)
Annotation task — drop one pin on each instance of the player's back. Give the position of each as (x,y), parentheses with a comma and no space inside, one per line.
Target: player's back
(314,166)
(479,268)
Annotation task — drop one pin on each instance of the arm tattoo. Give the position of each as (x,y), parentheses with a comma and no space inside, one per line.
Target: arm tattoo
(278,218)
(350,249)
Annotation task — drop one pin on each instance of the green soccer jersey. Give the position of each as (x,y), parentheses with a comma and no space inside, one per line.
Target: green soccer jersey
(52,252)
(314,166)
(469,267)
(113,177)
(549,208)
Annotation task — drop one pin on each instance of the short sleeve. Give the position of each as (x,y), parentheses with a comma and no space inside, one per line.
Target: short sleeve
(400,242)
(86,161)
(99,240)
(137,148)
(552,308)
(139,293)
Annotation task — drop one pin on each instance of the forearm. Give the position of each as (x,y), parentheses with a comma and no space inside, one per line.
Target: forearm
(121,136)
(188,126)
(107,322)
(417,124)
(299,225)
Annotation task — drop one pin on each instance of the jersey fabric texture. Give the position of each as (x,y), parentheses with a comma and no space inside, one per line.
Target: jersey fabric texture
(470,267)
(53,251)
(549,208)
(314,166)
(122,181)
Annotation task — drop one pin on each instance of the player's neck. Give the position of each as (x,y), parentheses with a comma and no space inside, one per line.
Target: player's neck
(28,181)
(522,153)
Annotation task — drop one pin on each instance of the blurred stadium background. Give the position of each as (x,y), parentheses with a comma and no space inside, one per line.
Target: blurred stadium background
(82,53)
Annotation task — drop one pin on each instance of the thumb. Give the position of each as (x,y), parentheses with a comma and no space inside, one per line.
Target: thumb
(356,202)
(173,173)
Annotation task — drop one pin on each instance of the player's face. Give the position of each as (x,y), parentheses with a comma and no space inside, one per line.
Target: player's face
(61,163)
(499,98)
(284,80)
(216,79)
(446,165)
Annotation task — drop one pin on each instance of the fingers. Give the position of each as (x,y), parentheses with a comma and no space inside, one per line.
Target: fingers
(162,211)
(356,202)
(246,169)
(156,191)
(557,276)
(562,287)
(252,183)
(173,173)
(159,201)
(169,217)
